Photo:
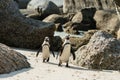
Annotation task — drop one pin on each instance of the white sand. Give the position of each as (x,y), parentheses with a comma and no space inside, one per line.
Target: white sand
(51,71)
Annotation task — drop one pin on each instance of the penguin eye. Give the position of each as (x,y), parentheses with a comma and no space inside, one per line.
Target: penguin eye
(67,38)
(47,40)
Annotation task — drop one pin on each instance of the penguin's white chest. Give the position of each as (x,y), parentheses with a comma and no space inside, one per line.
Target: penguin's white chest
(45,51)
(66,53)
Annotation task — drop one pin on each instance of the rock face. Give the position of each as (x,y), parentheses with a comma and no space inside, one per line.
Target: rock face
(19,31)
(11,60)
(102,52)
(77,5)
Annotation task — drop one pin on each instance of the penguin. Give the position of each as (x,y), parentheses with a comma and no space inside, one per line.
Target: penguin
(45,50)
(65,52)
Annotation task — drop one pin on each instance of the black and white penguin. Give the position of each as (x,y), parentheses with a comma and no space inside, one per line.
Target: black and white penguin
(65,52)
(46,50)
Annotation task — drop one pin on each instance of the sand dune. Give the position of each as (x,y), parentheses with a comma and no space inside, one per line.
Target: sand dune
(51,71)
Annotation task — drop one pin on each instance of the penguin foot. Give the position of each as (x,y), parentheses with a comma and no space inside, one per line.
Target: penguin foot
(67,66)
(60,62)
(59,65)
(48,59)
(43,60)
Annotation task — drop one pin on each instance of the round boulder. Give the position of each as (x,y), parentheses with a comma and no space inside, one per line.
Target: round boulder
(11,60)
(102,52)
(107,21)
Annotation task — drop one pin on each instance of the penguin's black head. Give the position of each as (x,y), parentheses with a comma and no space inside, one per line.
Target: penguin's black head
(46,39)
(67,37)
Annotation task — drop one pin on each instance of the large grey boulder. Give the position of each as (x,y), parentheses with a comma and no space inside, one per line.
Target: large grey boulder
(22,3)
(19,31)
(44,9)
(77,5)
(35,3)
(102,52)
(11,60)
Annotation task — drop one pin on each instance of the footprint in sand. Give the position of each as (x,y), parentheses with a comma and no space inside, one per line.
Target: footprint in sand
(27,72)
(86,79)
(36,60)
(49,70)
(53,70)
(72,75)
(94,74)
(37,76)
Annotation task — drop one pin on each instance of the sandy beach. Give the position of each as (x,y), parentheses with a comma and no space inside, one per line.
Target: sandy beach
(22,26)
(51,71)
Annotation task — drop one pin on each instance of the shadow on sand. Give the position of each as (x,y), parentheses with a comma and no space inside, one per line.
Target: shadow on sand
(14,73)
(81,68)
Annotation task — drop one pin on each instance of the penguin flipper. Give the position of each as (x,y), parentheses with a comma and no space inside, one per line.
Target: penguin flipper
(57,55)
(38,52)
(51,50)
(53,53)
(73,54)
(60,50)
